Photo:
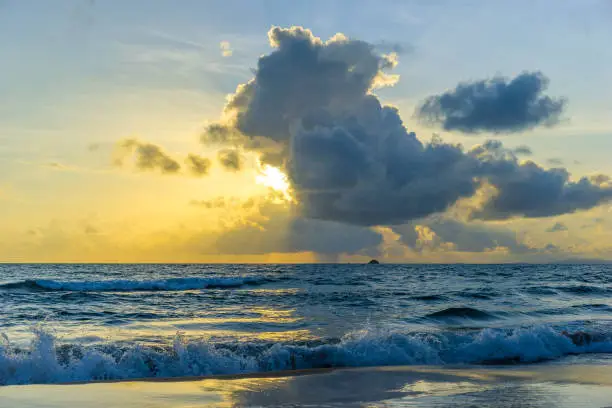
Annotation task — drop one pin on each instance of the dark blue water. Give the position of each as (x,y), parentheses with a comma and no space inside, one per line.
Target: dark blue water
(84,322)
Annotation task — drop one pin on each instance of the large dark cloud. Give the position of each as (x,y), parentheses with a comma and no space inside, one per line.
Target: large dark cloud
(497,105)
(383,177)
(351,159)
(303,76)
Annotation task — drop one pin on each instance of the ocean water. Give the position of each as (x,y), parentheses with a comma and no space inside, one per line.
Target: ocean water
(63,323)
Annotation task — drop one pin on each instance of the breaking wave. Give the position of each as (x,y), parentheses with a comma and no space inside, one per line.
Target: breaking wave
(48,361)
(172,284)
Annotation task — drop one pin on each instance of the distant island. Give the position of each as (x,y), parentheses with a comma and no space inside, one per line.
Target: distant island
(373,262)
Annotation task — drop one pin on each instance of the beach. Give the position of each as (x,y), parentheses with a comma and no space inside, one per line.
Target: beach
(526,386)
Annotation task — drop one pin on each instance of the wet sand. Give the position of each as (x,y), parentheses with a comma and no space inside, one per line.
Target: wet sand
(526,386)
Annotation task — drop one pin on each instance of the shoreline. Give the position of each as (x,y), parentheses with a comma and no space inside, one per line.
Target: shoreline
(556,385)
(254,374)
(518,371)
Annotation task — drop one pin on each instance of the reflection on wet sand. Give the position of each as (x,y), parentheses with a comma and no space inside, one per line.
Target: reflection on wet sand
(543,386)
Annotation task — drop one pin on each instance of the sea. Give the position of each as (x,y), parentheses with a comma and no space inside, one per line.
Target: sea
(66,323)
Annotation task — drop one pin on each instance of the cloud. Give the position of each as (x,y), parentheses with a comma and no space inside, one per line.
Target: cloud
(309,109)
(226,49)
(553,249)
(230,159)
(60,166)
(598,223)
(555,161)
(148,157)
(217,133)
(225,203)
(91,230)
(331,238)
(394,47)
(528,190)
(600,179)
(198,166)
(303,76)
(498,105)
(449,234)
(522,150)
(275,229)
(557,227)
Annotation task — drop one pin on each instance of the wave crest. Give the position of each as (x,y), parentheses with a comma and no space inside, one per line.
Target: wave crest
(123,285)
(46,361)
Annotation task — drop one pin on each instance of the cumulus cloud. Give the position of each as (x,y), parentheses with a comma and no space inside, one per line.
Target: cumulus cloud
(310,110)
(498,105)
(450,234)
(230,159)
(557,227)
(197,165)
(148,157)
(528,190)
(303,76)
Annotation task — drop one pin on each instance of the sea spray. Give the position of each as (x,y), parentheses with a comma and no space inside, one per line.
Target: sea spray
(47,361)
(125,285)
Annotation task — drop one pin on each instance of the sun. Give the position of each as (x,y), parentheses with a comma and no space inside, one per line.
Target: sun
(274,178)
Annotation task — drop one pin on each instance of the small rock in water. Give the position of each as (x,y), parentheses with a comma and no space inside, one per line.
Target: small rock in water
(373,262)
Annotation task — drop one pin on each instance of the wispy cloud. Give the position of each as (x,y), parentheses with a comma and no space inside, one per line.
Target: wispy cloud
(54,165)
(555,161)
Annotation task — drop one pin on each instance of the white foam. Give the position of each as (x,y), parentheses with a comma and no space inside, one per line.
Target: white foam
(172,284)
(46,361)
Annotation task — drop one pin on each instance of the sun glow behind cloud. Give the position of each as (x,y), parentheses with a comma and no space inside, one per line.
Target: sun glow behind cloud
(272,177)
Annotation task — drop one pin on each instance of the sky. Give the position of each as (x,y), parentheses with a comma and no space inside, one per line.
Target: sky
(320,131)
